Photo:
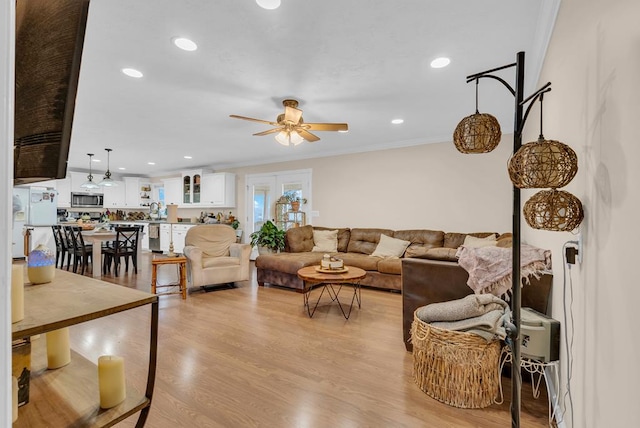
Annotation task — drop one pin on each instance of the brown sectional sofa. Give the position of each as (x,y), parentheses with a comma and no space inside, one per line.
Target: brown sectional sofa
(354,247)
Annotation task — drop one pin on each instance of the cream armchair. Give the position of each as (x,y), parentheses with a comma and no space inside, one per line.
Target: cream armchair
(213,257)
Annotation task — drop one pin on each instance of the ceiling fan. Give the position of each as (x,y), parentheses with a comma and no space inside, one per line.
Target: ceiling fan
(291,128)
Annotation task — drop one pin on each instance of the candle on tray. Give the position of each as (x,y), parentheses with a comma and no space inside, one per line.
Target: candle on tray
(111,382)
(17,293)
(14,400)
(58,351)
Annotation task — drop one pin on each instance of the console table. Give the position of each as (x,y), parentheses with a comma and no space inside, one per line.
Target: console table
(69,396)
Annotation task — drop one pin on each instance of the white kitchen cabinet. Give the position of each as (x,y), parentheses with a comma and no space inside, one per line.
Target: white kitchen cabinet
(63,187)
(178,233)
(192,187)
(173,191)
(219,190)
(114,196)
(77,178)
(137,192)
(144,238)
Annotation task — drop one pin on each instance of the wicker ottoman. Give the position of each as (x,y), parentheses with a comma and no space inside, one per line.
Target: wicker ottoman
(457,368)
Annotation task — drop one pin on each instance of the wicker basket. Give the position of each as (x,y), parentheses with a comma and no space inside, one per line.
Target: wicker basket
(456,368)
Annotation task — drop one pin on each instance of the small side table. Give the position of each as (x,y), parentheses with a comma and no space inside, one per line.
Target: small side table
(313,278)
(181,261)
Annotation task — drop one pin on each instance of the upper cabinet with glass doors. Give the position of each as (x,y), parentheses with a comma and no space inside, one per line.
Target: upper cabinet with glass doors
(191,186)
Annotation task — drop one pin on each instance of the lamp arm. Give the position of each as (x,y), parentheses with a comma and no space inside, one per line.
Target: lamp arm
(533,98)
(483,73)
(499,79)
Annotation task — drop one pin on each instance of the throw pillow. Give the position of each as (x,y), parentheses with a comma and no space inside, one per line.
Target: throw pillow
(325,241)
(473,242)
(390,247)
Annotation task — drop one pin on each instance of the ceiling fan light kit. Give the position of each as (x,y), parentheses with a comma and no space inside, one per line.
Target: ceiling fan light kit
(290,126)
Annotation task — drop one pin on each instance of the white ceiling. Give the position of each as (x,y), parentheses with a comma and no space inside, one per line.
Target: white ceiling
(363,62)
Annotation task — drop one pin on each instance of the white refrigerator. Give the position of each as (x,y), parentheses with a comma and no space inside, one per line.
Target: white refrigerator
(34,207)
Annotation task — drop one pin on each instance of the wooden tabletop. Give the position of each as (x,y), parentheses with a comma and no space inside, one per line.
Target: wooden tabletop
(310,273)
(160,260)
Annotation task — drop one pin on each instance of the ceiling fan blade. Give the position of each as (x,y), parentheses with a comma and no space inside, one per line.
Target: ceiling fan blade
(307,135)
(235,116)
(268,131)
(327,126)
(292,115)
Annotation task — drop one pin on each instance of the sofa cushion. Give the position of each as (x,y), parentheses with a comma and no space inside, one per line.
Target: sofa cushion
(344,234)
(421,240)
(363,261)
(287,262)
(365,241)
(505,240)
(454,240)
(442,253)
(392,266)
(299,239)
(208,262)
(473,242)
(390,247)
(325,241)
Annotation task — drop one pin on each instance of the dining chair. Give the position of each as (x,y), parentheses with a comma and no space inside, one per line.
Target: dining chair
(125,246)
(82,252)
(61,244)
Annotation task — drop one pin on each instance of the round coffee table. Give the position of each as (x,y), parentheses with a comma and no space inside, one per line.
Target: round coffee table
(332,283)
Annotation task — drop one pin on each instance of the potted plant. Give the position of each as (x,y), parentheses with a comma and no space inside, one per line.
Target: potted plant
(291,196)
(268,239)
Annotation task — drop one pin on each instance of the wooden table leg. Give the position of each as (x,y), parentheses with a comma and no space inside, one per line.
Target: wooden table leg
(183,280)
(154,278)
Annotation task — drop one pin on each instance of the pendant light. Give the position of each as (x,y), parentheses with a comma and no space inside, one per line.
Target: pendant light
(543,163)
(107,181)
(478,133)
(89,184)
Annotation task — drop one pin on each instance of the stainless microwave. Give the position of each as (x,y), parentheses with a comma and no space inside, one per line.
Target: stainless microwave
(87,200)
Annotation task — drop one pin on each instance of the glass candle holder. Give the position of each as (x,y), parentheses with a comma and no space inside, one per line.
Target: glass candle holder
(41,265)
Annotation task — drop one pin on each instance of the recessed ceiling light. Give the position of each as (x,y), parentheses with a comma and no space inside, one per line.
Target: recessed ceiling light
(343,131)
(440,62)
(151,163)
(122,168)
(268,4)
(185,44)
(188,157)
(397,121)
(132,72)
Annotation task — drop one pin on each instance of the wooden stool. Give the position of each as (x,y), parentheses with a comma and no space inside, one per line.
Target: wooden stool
(181,261)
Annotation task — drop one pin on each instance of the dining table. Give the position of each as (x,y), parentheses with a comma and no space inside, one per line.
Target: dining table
(97,237)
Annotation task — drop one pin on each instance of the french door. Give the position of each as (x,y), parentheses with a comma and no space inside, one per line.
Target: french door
(263,190)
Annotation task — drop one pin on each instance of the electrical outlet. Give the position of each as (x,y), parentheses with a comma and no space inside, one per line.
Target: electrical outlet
(580,248)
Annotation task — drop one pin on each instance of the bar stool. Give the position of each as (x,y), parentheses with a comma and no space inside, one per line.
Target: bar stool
(181,261)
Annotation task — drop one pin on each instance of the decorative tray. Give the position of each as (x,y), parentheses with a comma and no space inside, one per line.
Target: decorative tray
(343,270)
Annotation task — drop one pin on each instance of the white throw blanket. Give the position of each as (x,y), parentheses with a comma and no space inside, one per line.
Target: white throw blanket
(481,314)
(490,267)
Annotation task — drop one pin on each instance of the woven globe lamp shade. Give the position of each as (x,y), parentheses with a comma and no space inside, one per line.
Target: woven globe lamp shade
(543,163)
(555,210)
(478,133)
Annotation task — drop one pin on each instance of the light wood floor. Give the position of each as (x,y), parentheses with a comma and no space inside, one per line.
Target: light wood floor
(251,357)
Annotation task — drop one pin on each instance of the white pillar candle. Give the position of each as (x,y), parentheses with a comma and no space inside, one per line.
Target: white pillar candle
(58,351)
(14,400)
(111,382)
(17,293)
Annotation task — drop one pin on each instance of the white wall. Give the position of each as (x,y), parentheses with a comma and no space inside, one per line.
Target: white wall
(593,62)
(7,10)
(430,186)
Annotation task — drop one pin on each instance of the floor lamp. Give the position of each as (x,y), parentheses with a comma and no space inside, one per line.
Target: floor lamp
(172,217)
(480,133)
